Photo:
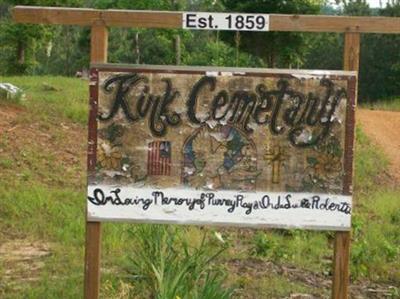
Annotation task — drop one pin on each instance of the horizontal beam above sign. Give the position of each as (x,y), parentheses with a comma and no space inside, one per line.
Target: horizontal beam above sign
(164,19)
(86,17)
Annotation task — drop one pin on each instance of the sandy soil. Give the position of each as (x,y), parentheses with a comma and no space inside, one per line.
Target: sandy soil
(383,128)
(58,147)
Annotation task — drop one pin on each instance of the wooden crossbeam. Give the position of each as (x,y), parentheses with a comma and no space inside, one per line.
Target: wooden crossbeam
(55,15)
(320,23)
(164,19)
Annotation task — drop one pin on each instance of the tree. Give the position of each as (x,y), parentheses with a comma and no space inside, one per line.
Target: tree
(276,48)
(326,52)
(380,61)
(20,41)
(158,46)
(355,7)
(379,55)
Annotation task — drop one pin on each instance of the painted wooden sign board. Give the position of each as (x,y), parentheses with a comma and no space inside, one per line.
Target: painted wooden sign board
(221,146)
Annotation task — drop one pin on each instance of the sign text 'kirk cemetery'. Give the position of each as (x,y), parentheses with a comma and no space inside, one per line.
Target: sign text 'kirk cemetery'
(246,147)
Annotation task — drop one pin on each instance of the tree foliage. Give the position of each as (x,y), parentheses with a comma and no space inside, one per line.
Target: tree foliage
(20,42)
(63,50)
(278,49)
(380,61)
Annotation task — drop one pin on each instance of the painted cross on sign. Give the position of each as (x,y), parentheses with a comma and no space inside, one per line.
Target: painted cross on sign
(276,157)
(221,146)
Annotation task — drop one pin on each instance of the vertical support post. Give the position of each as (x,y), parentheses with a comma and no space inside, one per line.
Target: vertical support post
(98,54)
(351,59)
(342,239)
(98,43)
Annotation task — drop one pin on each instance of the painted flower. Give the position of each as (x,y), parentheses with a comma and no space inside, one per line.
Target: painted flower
(325,165)
(109,157)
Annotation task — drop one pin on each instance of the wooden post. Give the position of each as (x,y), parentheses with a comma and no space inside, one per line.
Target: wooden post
(98,54)
(351,59)
(342,239)
(99,43)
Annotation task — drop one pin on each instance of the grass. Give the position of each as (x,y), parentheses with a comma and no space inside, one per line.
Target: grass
(392,104)
(171,267)
(42,198)
(270,286)
(47,96)
(376,246)
(369,163)
(375,252)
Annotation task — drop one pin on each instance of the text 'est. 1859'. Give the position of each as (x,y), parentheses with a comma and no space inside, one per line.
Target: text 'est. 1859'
(225,21)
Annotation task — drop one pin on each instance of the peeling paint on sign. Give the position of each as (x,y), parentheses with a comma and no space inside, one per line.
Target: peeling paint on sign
(273,142)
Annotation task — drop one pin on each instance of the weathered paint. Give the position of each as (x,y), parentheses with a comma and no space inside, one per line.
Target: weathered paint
(251,209)
(226,131)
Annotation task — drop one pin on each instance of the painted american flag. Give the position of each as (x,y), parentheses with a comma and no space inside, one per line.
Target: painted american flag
(159,158)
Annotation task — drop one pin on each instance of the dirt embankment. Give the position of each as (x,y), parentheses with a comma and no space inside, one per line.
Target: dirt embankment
(383,128)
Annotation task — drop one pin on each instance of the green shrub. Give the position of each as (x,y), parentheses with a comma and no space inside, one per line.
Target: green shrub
(262,244)
(170,267)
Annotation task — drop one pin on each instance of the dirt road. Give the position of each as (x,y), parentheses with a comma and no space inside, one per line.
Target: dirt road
(383,128)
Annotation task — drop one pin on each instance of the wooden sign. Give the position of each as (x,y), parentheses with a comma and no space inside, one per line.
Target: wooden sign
(221,146)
